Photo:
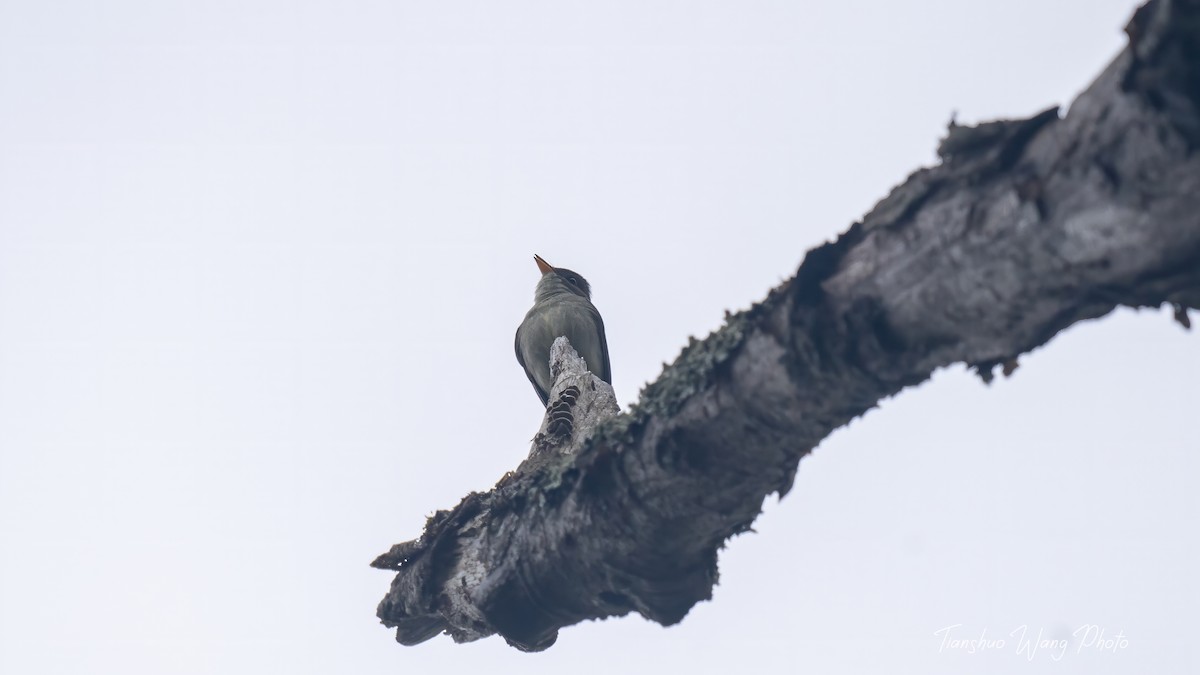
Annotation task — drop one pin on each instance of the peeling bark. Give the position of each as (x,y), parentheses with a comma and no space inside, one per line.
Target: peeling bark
(1026,227)
(579,402)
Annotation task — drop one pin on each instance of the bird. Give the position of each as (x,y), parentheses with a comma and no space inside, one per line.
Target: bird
(562,306)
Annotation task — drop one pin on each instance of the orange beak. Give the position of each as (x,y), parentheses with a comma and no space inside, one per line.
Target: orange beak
(542,264)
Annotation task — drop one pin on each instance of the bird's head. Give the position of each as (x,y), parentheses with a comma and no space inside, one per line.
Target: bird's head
(557,279)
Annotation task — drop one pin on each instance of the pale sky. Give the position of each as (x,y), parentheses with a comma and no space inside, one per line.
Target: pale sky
(261,264)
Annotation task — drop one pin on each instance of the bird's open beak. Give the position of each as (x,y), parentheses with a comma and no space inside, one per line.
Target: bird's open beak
(542,264)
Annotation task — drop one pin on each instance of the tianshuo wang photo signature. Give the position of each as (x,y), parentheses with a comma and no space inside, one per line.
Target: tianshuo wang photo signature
(1032,643)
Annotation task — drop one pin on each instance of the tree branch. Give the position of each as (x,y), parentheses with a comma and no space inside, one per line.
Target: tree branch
(1026,227)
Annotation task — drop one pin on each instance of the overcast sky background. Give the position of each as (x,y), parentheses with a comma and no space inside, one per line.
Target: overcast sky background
(261,264)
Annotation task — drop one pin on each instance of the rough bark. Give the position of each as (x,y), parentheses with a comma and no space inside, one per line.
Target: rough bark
(579,402)
(1026,227)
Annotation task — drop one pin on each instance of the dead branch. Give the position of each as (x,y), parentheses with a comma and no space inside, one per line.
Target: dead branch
(1025,228)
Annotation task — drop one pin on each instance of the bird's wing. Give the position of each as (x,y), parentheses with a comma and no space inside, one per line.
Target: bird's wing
(544,395)
(607,365)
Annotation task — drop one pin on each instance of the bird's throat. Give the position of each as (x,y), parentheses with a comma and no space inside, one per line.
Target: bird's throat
(552,286)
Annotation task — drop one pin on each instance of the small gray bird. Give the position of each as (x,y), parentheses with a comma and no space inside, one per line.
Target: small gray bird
(562,306)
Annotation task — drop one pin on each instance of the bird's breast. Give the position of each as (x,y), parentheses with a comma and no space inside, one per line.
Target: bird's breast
(572,317)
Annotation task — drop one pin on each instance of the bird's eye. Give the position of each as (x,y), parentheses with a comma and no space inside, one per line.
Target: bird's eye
(573,280)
